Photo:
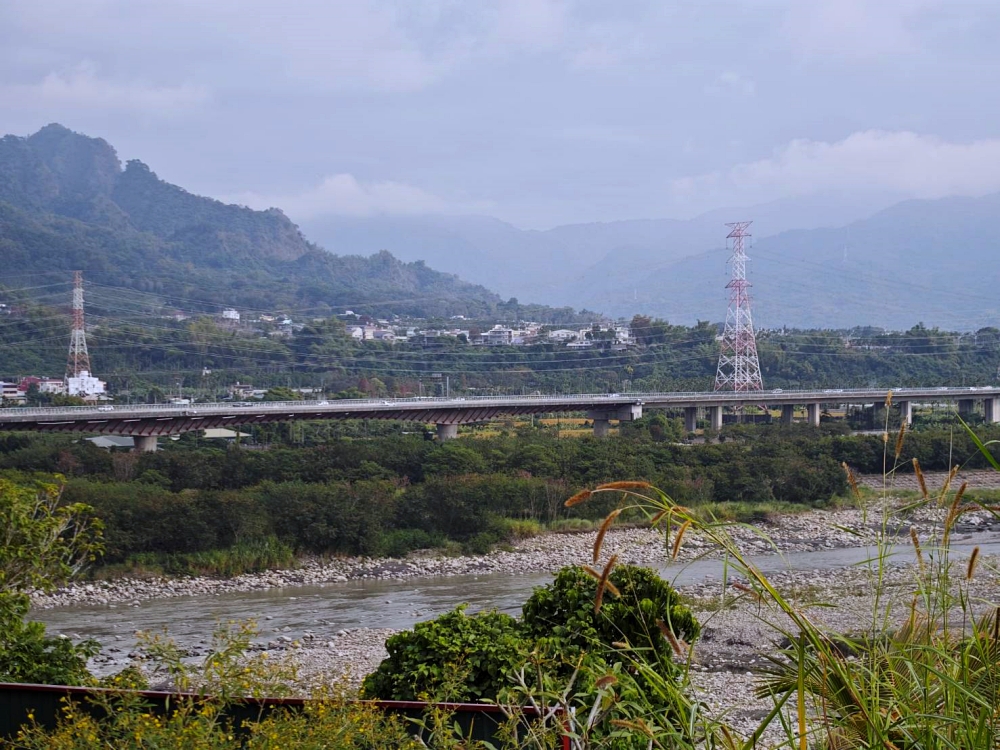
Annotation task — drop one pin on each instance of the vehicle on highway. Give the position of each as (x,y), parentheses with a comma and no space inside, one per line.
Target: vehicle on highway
(105,408)
(777,390)
(323,403)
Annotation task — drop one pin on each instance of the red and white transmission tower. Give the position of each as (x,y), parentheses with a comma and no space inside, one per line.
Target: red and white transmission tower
(739,368)
(78,360)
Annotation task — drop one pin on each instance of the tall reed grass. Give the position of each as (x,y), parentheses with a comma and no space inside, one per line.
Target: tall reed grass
(923,668)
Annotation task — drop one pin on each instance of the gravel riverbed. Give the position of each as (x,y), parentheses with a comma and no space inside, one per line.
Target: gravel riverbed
(803,532)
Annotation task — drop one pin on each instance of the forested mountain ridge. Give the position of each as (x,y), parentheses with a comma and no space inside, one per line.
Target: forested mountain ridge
(66,203)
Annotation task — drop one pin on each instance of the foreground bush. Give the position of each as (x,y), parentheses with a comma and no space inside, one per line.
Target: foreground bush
(455,657)
(460,657)
(43,544)
(124,722)
(27,654)
(564,611)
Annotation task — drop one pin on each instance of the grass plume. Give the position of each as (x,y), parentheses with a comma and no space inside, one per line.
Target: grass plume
(973,559)
(920,478)
(602,532)
(604,584)
(607,486)
(679,538)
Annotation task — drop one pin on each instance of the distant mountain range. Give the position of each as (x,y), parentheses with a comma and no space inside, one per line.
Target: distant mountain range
(818,262)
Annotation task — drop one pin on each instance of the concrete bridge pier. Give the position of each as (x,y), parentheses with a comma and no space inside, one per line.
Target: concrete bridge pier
(905,412)
(602,418)
(966,406)
(787,413)
(144,443)
(690,418)
(812,414)
(715,417)
(447,432)
(991,410)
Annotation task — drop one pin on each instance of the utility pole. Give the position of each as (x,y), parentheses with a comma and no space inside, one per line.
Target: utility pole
(78,360)
(739,368)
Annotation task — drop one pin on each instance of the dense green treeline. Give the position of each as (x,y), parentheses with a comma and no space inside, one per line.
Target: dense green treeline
(387,495)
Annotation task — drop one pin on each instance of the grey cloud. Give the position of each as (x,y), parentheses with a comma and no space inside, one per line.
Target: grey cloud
(83,86)
(537,111)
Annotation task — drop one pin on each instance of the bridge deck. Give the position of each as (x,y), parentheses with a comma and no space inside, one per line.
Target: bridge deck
(169,419)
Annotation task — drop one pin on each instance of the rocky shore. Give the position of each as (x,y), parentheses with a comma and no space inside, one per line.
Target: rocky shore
(805,532)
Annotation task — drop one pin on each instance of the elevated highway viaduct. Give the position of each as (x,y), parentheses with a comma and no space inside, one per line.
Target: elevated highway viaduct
(145,423)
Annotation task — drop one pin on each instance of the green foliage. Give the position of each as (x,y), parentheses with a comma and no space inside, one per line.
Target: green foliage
(388,495)
(460,657)
(455,657)
(454,458)
(249,556)
(280,393)
(43,544)
(28,655)
(564,612)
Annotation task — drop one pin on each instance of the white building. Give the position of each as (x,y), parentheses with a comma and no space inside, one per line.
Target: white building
(52,385)
(563,334)
(231,315)
(499,336)
(85,386)
(10,392)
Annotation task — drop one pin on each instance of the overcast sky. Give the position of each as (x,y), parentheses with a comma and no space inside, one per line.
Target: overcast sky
(538,112)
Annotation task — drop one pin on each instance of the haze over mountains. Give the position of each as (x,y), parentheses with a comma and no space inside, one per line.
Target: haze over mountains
(821,261)
(572,259)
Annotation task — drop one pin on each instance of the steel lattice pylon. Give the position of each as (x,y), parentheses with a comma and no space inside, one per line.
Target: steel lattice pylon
(78,360)
(739,368)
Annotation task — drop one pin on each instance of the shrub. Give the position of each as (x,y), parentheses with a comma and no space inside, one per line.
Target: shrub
(522,528)
(252,556)
(28,655)
(460,657)
(44,543)
(571,525)
(564,610)
(399,542)
(454,657)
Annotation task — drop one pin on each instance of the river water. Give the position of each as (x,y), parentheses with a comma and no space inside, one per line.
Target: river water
(327,608)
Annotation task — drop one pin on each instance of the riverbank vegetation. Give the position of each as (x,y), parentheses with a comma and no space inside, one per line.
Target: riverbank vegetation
(198,508)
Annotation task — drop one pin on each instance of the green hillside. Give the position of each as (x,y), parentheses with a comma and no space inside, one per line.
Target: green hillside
(66,203)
